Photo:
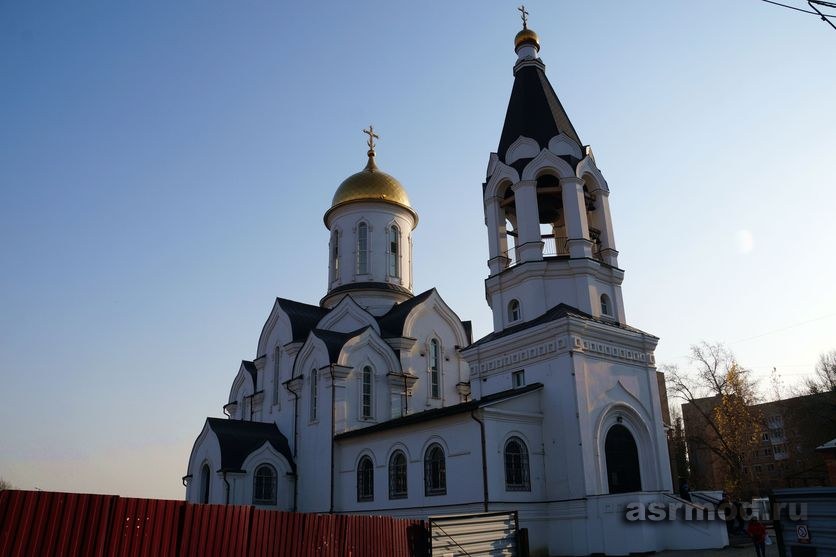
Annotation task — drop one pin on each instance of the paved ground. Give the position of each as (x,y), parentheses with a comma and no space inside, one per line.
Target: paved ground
(741,547)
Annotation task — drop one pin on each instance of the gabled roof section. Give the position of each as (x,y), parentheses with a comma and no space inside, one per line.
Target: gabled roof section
(303,317)
(334,342)
(437,413)
(392,322)
(534,111)
(557,312)
(251,369)
(238,439)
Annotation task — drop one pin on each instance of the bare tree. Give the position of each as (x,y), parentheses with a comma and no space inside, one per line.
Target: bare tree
(720,393)
(824,376)
(5,485)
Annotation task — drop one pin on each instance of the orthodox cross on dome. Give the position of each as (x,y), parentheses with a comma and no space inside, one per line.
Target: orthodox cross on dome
(372,137)
(524,15)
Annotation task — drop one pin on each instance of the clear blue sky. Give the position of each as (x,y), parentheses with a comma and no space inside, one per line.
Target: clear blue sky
(164,168)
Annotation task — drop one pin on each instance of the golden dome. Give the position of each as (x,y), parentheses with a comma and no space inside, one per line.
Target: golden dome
(371,184)
(526,36)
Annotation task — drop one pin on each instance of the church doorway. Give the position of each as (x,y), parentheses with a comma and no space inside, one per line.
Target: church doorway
(623,473)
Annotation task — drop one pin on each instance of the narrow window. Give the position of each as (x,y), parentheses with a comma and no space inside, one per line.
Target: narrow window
(394,251)
(513,311)
(606,306)
(516,466)
(435,366)
(313,395)
(362,248)
(435,471)
(335,255)
(264,485)
(518,379)
(205,480)
(366,403)
(365,480)
(276,379)
(397,476)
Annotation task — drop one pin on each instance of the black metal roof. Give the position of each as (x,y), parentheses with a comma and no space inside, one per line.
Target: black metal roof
(391,323)
(437,413)
(303,317)
(238,439)
(334,341)
(534,111)
(557,312)
(251,369)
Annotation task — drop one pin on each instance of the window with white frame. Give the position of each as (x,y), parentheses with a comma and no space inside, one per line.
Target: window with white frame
(366,386)
(264,485)
(365,479)
(397,475)
(513,311)
(606,305)
(516,466)
(276,378)
(435,471)
(434,365)
(518,379)
(362,249)
(205,483)
(394,251)
(314,395)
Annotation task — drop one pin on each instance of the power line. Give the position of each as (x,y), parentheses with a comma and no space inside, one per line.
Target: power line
(783,328)
(812,3)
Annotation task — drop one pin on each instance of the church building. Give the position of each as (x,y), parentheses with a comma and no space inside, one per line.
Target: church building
(378,399)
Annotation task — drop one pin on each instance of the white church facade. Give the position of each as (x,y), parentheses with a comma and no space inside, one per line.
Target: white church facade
(378,400)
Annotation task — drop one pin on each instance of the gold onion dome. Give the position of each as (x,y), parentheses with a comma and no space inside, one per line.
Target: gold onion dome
(526,36)
(371,184)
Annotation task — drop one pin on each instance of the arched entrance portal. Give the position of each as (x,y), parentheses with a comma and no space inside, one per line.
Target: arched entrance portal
(623,473)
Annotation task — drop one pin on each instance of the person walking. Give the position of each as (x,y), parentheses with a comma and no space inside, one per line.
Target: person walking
(757,531)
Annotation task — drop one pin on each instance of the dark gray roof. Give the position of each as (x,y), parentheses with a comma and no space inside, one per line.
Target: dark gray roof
(351,287)
(334,342)
(557,312)
(391,322)
(534,111)
(303,317)
(238,439)
(437,413)
(251,369)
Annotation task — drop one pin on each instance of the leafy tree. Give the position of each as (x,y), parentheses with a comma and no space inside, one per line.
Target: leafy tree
(720,393)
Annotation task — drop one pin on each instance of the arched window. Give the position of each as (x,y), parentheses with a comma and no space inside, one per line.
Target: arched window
(394,251)
(205,482)
(434,362)
(516,466)
(623,473)
(264,485)
(435,471)
(335,255)
(365,480)
(606,305)
(366,392)
(397,476)
(513,311)
(362,249)
(314,394)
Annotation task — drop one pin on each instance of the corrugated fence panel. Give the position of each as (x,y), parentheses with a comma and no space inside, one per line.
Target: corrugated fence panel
(58,524)
(820,520)
(483,534)
(46,523)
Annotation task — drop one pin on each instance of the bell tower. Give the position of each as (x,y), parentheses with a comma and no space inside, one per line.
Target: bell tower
(547,208)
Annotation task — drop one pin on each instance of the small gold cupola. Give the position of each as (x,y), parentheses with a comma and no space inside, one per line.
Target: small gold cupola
(526,37)
(371,184)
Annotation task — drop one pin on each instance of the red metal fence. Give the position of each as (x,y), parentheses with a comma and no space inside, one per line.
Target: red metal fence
(46,523)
